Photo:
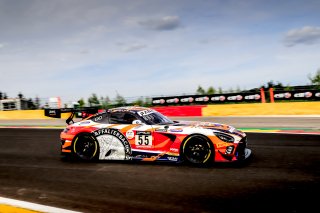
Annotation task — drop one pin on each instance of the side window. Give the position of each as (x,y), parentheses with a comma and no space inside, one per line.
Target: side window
(100,118)
(121,118)
(128,118)
(116,117)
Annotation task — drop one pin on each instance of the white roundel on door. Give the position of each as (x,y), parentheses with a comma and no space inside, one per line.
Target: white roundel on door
(130,134)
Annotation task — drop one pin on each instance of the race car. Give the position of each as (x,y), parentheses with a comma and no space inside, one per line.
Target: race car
(144,134)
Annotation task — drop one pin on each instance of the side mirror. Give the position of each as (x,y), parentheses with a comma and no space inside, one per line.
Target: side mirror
(136,122)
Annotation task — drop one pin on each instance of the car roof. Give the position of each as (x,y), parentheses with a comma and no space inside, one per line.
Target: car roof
(132,109)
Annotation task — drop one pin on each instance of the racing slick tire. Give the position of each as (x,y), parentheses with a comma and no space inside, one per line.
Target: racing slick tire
(197,150)
(85,147)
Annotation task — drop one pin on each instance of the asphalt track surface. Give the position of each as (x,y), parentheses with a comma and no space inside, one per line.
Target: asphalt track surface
(282,176)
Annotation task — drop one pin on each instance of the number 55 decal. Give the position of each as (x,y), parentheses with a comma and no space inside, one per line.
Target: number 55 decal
(143,139)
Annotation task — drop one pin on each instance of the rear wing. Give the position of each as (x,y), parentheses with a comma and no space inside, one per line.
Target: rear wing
(56,113)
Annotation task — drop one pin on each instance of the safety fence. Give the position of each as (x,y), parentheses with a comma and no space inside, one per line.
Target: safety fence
(261,96)
(254,109)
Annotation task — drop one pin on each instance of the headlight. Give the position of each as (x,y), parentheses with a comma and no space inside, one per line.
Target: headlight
(224,137)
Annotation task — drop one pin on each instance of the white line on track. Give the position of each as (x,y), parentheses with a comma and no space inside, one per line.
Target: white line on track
(33,206)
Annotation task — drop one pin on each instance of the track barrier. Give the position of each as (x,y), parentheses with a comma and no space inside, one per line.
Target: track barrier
(254,109)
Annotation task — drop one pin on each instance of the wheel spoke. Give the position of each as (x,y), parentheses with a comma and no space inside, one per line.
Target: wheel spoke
(85,148)
(197,150)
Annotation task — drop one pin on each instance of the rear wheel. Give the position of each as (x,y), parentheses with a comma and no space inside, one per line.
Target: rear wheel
(85,147)
(197,150)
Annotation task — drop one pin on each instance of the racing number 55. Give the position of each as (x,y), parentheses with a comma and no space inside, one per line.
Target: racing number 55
(143,139)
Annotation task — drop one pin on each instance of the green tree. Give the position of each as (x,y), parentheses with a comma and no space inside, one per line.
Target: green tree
(220,90)
(81,102)
(148,102)
(211,91)
(120,101)
(200,91)
(272,84)
(138,102)
(93,100)
(288,88)
(105,102)
(315,80)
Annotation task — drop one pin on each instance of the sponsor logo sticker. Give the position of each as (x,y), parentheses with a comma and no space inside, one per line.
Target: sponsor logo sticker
(176,130)
(113,144)
(172,158)
(52,112)
(219,145)
(130,134)
(145,112)
(174,150)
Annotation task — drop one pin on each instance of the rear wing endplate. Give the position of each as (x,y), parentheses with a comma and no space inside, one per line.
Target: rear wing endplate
(56,113)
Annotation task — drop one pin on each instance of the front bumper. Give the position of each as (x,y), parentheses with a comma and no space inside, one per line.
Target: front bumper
(242,152)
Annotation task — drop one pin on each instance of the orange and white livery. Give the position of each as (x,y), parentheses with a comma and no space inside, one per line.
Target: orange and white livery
(139,133)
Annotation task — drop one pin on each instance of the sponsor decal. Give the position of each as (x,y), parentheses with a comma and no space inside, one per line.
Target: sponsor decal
(206,124)
(143,138)
(184,100)
(52,112)
(205,98)
(174,150)
(222,144)
(252,97)
(130,134)
(172,100)
(160,101)
(84,122)
(209,124)
(317,94)
(282,95)
(145,112)
(141,156)
(113,144)
(172,158)
(98,118)
(235,98)
(218,125)
(222,98)
(303,95)
(176,130)
(218,98)
(161,130)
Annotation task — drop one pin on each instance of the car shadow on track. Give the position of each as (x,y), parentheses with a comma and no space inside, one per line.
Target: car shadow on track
(236,164)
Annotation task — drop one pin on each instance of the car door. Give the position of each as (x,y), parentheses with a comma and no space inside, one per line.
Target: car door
(139,135)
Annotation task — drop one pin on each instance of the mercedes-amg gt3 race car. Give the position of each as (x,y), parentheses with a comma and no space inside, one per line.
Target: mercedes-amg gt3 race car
(143,134)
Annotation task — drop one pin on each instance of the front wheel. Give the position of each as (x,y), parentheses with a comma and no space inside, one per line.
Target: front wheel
(85,147)
(197,150)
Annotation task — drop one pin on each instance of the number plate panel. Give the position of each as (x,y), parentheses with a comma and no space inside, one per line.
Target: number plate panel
(143,139)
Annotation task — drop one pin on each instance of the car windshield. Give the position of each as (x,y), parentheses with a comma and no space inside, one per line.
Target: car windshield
(156,118)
